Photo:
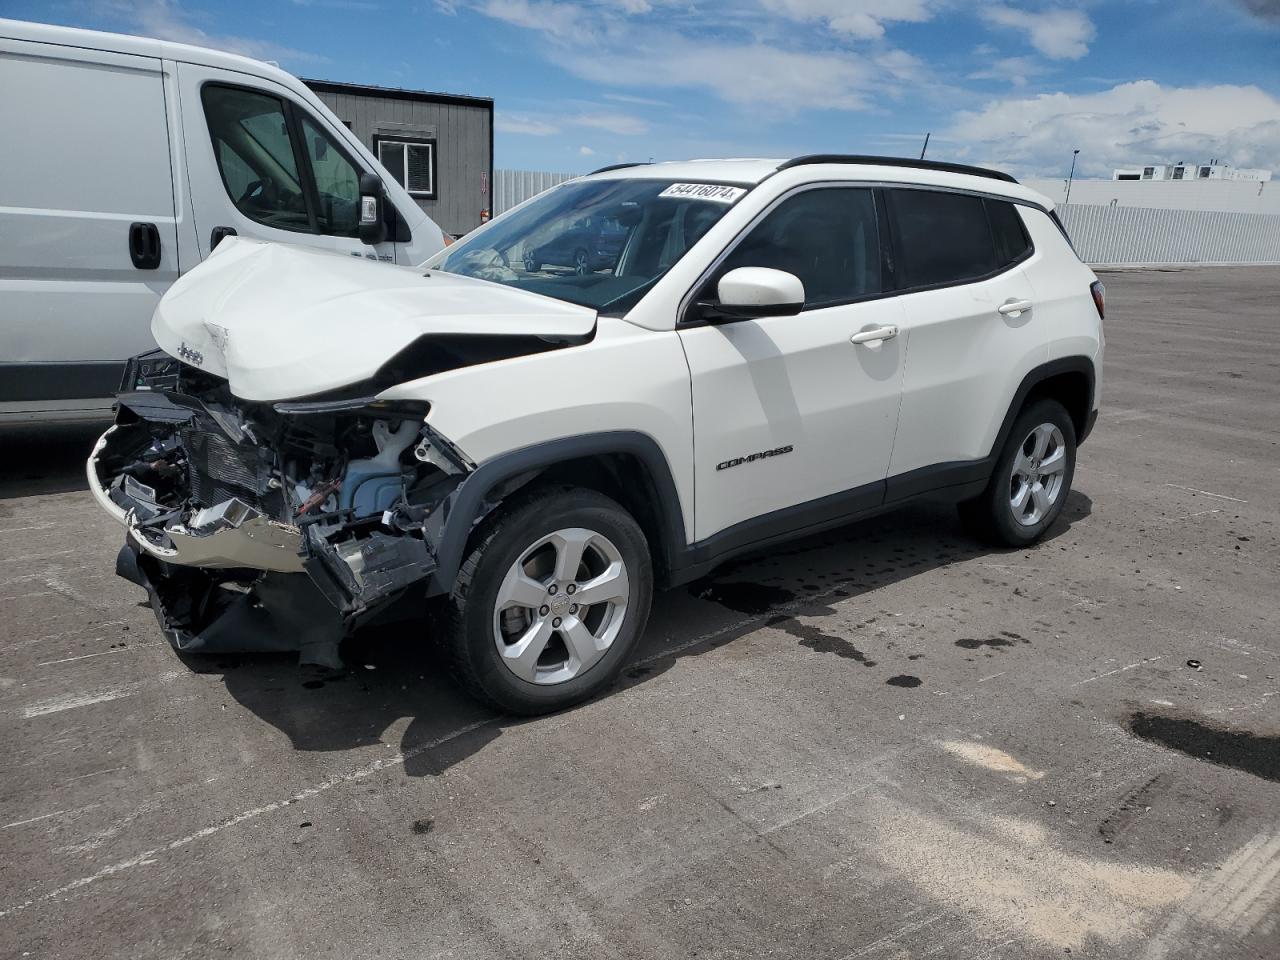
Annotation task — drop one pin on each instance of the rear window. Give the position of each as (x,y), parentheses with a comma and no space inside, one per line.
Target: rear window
(941,237)
(1008,232)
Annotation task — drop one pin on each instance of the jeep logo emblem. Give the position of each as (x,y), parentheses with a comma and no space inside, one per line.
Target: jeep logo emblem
(194,357)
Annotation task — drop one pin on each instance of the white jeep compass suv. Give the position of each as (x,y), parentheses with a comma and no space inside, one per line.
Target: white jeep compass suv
(746,350)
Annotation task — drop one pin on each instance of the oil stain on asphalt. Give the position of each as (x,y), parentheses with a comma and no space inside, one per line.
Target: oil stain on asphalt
(817,640)
(1006,639)
(1226,747)
(904,680)
(750,598)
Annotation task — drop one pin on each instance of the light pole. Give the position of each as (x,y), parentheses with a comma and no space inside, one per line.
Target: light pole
(1071,176)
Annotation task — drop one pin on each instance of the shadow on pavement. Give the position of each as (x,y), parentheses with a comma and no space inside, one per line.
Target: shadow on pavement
(45,458)
(397,673)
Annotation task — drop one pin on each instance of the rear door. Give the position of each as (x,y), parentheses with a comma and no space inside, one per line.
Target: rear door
(264,166)
(88,241)
(971,326)
(788,412)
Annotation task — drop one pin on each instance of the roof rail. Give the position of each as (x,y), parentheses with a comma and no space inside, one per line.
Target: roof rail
(619,166)
(896,162)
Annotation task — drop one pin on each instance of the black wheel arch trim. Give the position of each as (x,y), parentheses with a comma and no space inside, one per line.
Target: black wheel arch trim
(1038,375)
(466,505)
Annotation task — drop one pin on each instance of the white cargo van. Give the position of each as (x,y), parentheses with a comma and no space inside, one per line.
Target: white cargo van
(124,162)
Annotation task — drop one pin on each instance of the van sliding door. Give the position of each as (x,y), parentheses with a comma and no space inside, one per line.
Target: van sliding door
(88,241)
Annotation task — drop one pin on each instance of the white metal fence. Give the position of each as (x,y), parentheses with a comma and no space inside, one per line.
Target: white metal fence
(511,187)
(1150,235)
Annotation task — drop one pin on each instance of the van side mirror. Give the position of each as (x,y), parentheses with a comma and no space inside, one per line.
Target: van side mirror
(748,292)
(373,225)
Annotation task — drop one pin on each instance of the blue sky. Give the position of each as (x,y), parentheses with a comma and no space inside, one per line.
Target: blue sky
(584,83)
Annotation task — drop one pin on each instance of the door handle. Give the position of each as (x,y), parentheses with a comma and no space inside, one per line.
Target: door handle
(144,245)
(217,234)
(1015,308)
(873,336)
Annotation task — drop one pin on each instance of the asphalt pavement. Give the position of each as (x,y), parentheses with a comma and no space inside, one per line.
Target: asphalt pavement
(884,742)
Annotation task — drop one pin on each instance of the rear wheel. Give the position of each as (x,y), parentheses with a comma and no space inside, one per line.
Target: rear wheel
(581,265)
(1032,478)
(550,602)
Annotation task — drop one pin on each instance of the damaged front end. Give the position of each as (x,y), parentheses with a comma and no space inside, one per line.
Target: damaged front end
(269,527)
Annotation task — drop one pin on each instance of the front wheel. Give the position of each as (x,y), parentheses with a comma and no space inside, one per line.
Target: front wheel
(550,602)
(1031,480)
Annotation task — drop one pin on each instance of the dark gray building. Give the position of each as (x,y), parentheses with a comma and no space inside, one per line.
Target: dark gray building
(439,145)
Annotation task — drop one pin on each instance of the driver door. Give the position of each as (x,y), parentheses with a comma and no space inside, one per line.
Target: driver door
(264,166)
(794,416)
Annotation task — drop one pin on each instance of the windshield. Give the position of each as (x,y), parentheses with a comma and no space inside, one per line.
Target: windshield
(599,243)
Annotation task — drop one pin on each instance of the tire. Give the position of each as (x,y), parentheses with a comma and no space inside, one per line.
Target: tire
(532,264)
(581,264)
(541,532)
(1015,511)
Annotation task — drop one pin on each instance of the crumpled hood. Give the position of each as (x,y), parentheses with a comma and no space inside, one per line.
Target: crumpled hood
(282,321)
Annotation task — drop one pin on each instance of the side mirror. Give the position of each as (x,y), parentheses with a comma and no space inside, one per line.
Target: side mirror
(373,226)
(756,292)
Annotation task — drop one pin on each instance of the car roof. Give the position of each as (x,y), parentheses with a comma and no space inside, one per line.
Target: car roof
(142,47)
(751,171)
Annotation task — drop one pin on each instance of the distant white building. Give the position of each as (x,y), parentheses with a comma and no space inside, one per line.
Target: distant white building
(1213,170)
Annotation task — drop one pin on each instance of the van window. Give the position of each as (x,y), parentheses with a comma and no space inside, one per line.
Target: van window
(259,157)
(1010,236)
(255,157)
(829,238)
(941,237)
(337,183)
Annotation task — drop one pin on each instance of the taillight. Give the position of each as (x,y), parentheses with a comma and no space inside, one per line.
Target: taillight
(1099,298)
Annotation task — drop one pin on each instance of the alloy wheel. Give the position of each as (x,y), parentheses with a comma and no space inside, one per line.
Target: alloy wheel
(1038,471)
(560,606)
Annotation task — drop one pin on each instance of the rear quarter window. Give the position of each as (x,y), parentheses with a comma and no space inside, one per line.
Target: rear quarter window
(1007,231)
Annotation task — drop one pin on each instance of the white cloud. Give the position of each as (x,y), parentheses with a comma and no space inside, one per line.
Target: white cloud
(165,20)
(529,126)
(620,123)
(641,101)
(1060,34)
(1015,70)
(586,151)
(1130,123)
(855,18)
(729,53)
(544,125)
(751,75)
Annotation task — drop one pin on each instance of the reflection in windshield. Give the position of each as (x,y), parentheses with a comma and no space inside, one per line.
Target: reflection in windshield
(600,243)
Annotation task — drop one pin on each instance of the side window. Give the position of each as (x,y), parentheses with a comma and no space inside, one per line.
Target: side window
(411,163)
(828,237)
(1008,232)
(255,157)
(337,183)
(941,237)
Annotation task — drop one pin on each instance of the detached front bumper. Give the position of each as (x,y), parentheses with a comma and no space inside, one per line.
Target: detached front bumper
(232,534)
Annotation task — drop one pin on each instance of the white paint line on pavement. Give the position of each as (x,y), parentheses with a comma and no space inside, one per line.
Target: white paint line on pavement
(86,656)
(1206,493)
(73,701)
(46,816)
(150,856)
(1132,666)
(30,560)
(96,773)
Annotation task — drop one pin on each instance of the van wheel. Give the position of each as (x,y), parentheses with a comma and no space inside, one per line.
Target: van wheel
(1031,480)
(550,602)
